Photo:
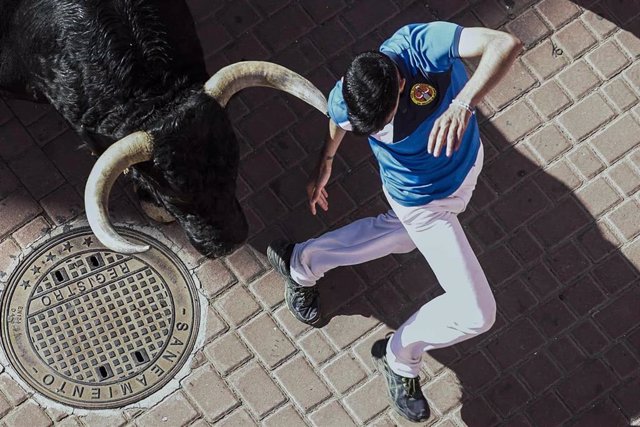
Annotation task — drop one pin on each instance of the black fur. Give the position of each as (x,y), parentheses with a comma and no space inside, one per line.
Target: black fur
(113,67)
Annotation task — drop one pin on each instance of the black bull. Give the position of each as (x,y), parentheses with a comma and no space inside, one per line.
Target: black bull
(114,67)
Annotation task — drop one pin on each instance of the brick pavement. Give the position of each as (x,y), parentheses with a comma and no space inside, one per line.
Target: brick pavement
(554,222)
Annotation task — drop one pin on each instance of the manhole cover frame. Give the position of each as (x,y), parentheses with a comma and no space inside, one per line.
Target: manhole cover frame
(171,376)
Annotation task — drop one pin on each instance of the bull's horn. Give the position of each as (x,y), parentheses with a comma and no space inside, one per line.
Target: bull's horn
(135,148)
(235,77)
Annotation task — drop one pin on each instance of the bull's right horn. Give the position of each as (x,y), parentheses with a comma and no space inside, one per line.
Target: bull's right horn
(135,148)
(235,77)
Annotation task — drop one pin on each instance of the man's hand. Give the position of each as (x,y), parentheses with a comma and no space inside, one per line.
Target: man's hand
(448,130)
(316,192)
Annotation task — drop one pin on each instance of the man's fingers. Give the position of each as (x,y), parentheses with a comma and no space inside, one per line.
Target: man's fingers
(432,136)
(451,140)
(440,139)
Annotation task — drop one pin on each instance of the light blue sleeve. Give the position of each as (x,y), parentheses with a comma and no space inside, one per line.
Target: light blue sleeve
(431,47)
(338,108)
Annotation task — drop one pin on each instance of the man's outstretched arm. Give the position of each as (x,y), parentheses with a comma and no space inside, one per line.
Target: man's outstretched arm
(498,51)
(316,191)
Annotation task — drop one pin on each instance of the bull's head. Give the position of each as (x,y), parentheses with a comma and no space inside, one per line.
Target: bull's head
(211,217)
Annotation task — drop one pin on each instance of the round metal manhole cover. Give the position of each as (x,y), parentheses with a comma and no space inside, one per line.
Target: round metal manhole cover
(96,329)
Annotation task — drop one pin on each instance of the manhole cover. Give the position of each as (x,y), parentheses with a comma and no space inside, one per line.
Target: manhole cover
(95,329)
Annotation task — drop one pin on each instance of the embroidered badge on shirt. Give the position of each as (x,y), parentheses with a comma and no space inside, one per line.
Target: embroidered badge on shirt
(423,93)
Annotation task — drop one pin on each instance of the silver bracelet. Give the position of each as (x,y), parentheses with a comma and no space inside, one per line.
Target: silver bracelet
(463,105)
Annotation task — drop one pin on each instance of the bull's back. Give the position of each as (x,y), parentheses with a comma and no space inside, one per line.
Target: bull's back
(92,54)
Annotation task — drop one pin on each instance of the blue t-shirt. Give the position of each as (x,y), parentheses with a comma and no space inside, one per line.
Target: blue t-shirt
(427,57)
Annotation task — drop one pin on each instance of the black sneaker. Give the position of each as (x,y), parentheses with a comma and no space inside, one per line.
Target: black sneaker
(303,301)
(405,393)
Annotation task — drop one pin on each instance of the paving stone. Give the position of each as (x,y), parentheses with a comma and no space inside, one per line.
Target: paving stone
(284,26)
(579,79)
(290,324)
(619,93)
(598,240)
(542,62)
(16,210)
(322,11)
(63,204)
(549,143)
(507,395)
(586,161)
(344,330)
(258,391)
(367,401)
(515,299)
(518,341)
(331,415)
(175,410)
(491,13)
(589,338)
(316,348)
(632,74)
(267,341)
(575,39)
(587,383)
(29,414)
(557,12)
(100,420)
(14,140)
(515,122)
(13,392)
(238,418)
(72,421)
(552,317)
(608,60)
(586,116)
(37,173)
(209,393)
(302,383)
(625,177)
(629,42)
(9,257)
(614,273)
(618,138)
(548,410)
(344,372)
(244,264)
(539,373)
(528,27)
(214,277)
(269,289)
(621,360)
(599,20)
(558,179)
(5,406)
(445,392)
(48,127)
(214,325)
(598,197)
(515,83)
(237,305)
(549,99)
(286,416)
(227,353)
(560,222)
(625,219)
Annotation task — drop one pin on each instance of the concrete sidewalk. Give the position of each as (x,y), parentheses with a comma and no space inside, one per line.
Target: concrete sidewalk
(555,222)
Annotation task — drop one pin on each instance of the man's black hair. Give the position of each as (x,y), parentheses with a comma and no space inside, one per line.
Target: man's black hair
(370,90)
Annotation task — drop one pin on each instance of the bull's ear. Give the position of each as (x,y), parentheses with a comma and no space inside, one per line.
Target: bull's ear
(135,148)
(241,75)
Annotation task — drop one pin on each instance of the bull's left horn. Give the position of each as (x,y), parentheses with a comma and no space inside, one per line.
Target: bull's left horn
(235,77)
(135,148)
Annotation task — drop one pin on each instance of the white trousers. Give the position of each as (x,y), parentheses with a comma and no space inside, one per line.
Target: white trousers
(466,309)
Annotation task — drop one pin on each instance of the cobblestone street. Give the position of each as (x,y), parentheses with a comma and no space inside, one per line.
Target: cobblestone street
(555,222)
